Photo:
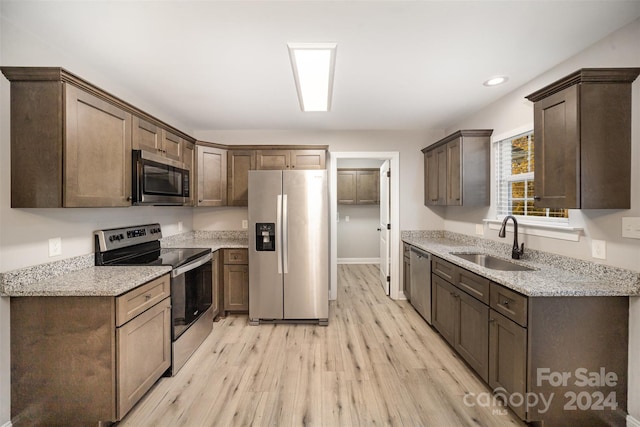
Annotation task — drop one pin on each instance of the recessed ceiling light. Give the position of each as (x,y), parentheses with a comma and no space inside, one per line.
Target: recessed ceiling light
(313,65)
(495,81)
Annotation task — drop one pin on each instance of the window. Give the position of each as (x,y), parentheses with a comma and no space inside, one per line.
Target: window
(514,169)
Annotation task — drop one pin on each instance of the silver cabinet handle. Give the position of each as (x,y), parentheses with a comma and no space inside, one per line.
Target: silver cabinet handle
(285,235)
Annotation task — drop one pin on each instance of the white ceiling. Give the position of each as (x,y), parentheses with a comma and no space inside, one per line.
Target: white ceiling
(399,65)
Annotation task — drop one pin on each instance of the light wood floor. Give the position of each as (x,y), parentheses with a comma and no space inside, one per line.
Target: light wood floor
(377,363)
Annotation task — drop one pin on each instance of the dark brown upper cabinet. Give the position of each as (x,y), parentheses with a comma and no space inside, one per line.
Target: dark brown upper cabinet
(358,186)
(211,176)
(71,141)
(279,159)
(582,130)
(239,163)
(150,137)
(457,169)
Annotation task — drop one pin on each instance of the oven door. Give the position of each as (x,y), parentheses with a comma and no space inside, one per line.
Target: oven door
(158,180)
(191,293)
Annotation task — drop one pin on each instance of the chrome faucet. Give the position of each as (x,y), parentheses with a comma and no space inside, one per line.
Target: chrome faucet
(516,251)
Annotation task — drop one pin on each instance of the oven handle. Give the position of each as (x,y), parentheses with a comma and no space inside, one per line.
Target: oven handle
(193,264)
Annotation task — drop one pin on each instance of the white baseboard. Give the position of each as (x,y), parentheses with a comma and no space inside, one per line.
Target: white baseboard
(632,422)
(358,260)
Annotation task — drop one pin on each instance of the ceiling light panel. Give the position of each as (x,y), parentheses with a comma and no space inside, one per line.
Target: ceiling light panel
(313,68)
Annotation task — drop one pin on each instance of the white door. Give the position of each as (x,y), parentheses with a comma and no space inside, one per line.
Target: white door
(385,270)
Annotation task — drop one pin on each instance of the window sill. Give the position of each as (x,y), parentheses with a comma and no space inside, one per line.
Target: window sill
(553,231)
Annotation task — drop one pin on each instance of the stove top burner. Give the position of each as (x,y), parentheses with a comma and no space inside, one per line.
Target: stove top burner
(140,245)
(174,257)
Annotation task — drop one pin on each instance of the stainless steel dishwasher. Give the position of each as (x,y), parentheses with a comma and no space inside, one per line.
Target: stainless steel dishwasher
(421,282)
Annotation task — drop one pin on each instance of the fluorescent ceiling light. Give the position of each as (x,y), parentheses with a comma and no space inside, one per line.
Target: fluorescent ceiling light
(495,81)
(313,65)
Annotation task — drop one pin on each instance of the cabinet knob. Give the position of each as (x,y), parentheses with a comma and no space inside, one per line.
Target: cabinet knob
(147,297)
(491,320)
(537,198)
(505,302)
(128,198)
(200,201)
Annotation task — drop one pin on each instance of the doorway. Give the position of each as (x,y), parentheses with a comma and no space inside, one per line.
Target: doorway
(390,235)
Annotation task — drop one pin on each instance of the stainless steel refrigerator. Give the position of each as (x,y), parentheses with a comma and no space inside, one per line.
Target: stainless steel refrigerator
(288,246)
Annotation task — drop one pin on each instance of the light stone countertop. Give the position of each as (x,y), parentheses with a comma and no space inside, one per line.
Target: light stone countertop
(553,275)
(78,276)
(89,282)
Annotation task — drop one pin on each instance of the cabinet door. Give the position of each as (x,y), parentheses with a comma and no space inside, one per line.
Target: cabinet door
(189,159)
(216,292)
(308,159)
(507,357)
(556,150)
(444,308)
(172,146)
(472,333)
(431,184)
(441,164)
(211,176)
(146,136)
(143,354)
(236,287)
(273,159)
(240,162)
(406,278)
(454,173)
(97,152)
(346,187)
(367,187)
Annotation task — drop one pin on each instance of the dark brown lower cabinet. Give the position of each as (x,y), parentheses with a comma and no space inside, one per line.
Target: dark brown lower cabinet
(406,278)
(463,322)
(236,280)
(443,308)
(507,357)
(553,360)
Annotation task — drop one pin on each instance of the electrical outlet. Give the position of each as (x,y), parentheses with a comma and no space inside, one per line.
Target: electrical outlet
(631,227)
(480,229)
(55,246)
(245,224)
(599,249)
(346,218)
(179,225)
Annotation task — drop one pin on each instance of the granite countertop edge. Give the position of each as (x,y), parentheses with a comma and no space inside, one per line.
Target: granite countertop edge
(78,276)
(545,281)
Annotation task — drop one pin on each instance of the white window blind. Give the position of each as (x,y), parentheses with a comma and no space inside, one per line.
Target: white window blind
(515,164)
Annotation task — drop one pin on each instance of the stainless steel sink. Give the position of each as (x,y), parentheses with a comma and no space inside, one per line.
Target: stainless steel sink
(489,261)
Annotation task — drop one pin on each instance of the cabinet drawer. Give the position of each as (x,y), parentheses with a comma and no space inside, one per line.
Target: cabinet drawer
(236,256)
(141,298)
(474,285)
(509,303)
(444,269)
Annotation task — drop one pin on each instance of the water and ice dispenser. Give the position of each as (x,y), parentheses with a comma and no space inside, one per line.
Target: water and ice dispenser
(265,236)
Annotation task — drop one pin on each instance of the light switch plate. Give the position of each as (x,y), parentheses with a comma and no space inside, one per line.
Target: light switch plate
(631,227)
(245,224)
(55,246)
(480,229)
(599,249)
(179,225)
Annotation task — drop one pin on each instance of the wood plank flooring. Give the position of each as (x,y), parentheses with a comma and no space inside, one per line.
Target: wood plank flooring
(377,363)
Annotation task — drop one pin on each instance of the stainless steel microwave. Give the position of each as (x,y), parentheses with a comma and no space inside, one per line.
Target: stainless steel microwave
(159,181)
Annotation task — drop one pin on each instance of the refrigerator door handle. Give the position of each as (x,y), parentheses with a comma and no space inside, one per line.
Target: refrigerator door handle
(285,235)
(278,230)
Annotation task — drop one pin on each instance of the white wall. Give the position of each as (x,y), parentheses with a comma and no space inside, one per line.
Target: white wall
(620,49)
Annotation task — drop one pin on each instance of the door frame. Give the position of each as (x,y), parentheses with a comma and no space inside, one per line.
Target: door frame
(394,217)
